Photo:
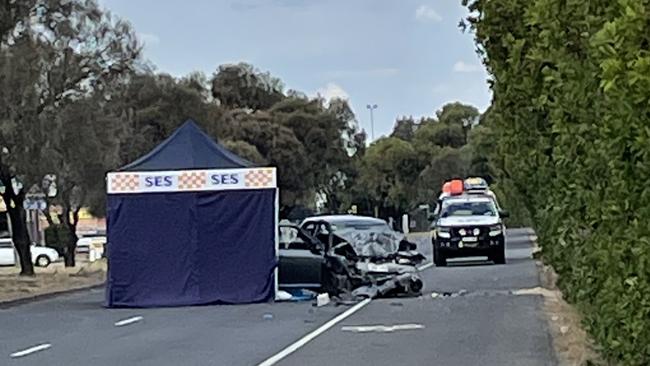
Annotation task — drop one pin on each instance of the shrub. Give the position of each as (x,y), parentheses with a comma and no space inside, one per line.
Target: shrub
(571,112)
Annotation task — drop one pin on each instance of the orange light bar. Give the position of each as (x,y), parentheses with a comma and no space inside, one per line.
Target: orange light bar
(456,186)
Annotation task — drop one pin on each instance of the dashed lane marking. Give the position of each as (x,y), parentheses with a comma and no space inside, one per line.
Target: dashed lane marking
(29,351)
(128,321)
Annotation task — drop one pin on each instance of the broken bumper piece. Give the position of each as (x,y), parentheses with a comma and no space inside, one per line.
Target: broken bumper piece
(406,284)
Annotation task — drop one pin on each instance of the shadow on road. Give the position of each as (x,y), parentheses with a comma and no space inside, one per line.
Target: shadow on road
(468,263)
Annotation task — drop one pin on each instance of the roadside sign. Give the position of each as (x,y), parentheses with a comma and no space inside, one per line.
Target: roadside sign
(37,204)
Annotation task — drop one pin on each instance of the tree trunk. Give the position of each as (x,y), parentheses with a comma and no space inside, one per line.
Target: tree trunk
(20,235)
(70,248)
(71,238)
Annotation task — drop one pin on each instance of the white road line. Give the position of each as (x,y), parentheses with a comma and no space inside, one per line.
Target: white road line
(309,337)
(128,321)
(28,351)
(381,328)
(425,266)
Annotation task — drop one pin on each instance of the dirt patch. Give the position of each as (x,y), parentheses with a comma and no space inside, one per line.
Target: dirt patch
(571,342)
(54,278)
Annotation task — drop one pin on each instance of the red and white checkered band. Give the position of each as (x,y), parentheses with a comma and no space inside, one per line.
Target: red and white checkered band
(192,180)
(125,182)
(259,178)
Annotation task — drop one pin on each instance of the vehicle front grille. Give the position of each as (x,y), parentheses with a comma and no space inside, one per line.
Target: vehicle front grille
(469,231)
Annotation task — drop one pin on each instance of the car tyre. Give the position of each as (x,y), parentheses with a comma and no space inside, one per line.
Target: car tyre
(439,259)
(43,261)
(499,255)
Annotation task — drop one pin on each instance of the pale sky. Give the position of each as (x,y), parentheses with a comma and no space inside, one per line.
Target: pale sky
(407,56)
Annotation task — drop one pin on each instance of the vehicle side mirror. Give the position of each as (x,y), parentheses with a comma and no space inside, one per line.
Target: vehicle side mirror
(504,214)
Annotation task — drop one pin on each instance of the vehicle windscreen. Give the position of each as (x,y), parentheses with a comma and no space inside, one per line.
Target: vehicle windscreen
(374,242)
(481,208)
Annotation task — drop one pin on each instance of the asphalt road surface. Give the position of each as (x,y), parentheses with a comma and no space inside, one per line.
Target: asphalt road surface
(474,319)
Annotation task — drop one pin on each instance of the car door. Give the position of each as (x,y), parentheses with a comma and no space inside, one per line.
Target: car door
(301,259)
(7,253)
(433,218)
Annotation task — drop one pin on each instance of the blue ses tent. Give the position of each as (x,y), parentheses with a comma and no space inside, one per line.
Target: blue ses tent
(191,223)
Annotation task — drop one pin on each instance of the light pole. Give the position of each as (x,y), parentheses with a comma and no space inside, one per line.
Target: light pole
(371,108)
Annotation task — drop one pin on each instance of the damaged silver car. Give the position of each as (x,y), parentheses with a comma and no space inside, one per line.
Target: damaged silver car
(348,257)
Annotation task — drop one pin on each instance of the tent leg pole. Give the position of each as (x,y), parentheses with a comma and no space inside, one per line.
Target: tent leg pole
(277,242)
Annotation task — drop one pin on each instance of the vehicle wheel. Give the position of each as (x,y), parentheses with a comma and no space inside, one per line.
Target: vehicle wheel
(499,256)
(439,259)
(43,261)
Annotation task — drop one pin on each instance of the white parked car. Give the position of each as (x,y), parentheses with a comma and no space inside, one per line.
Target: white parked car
(7,254)
(41,256)
(84,242)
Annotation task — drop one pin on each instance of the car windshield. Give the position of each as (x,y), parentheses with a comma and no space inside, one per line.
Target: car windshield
(477,208)
(373,241)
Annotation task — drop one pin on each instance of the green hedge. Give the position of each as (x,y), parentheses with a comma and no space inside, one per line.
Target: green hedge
(511,200)
(571,110)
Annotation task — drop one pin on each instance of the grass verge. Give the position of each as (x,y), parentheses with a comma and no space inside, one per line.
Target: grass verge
(53,279)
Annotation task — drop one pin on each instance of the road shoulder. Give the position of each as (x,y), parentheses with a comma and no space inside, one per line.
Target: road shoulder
(572,344)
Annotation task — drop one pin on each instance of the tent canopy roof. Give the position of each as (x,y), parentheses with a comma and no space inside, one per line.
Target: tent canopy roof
(188,148)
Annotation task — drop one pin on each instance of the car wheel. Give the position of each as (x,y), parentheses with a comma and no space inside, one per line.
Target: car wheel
(499,256)
(43,261)
(439,259)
